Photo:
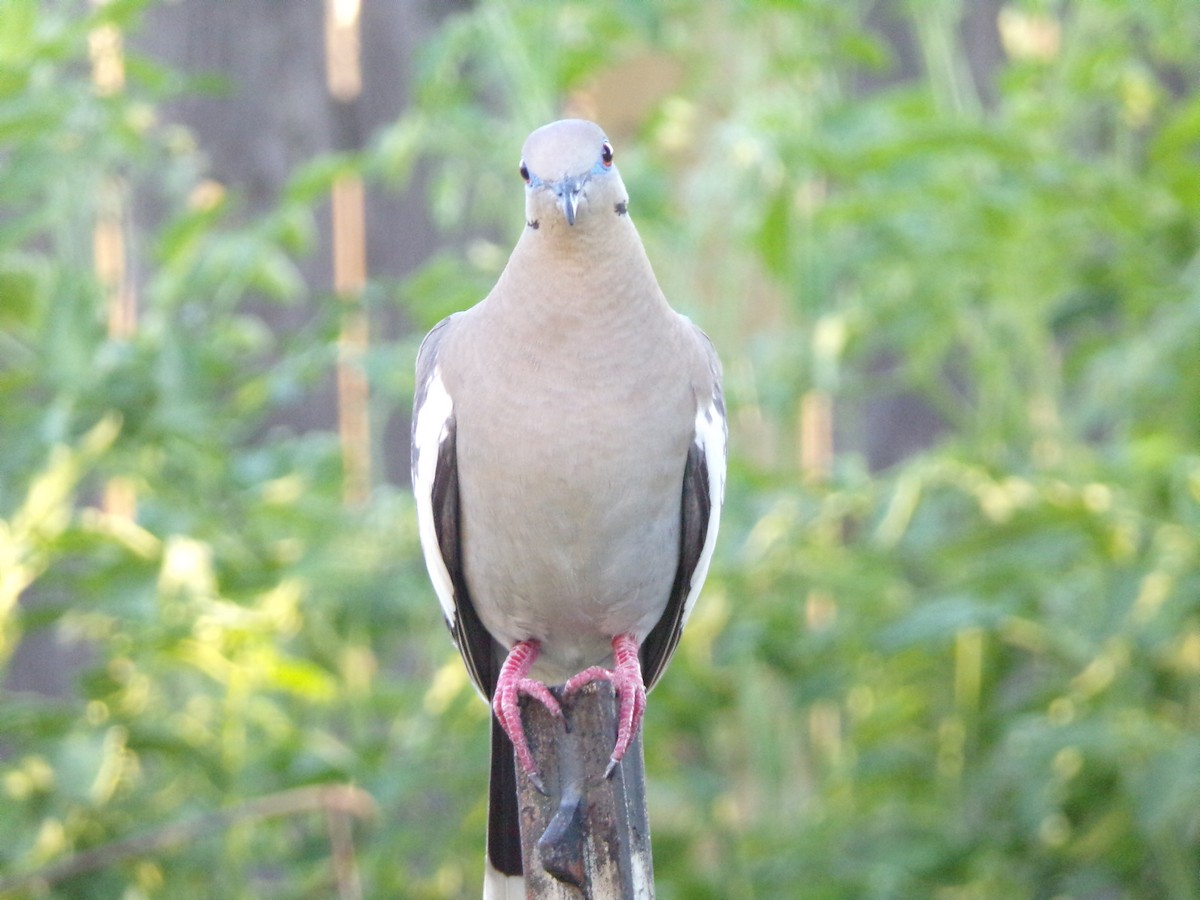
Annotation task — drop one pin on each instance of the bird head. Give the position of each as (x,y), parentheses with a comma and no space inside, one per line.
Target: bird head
(569,174)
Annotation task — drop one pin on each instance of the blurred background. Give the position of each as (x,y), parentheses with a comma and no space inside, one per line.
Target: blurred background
(950,253)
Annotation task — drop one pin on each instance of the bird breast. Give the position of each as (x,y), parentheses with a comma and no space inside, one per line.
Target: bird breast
(589,444)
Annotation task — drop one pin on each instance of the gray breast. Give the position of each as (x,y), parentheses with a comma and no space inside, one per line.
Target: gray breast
(570,478)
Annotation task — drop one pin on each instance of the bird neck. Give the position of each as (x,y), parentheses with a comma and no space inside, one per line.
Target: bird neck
(595,271)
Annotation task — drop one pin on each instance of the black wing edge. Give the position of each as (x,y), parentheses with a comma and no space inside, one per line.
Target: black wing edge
(477,646)
(482,654)
(695,512)
(480,651)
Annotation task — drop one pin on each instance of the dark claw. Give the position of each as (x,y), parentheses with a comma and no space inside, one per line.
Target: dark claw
(536,781)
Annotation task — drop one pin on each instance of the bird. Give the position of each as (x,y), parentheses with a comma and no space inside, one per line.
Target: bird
(568,466)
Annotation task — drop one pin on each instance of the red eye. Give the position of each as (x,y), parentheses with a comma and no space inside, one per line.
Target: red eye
(606,153)
(524,170)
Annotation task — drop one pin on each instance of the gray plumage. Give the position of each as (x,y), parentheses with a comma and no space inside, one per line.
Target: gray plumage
(568,441)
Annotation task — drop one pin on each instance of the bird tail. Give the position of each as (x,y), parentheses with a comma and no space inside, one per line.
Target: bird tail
(503,877)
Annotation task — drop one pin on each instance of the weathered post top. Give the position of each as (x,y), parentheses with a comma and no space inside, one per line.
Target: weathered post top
(587,837)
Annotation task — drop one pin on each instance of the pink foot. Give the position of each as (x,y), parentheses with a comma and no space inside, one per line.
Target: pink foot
(506,702)
(626,678)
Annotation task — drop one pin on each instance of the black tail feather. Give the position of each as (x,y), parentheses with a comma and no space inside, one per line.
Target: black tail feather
(504,813)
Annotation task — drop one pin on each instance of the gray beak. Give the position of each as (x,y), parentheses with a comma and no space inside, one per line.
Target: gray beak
(569,190)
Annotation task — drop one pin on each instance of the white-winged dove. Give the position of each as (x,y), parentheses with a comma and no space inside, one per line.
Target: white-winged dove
(568,461)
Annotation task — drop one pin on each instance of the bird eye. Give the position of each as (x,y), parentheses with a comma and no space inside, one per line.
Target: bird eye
(606,153)
(524,170)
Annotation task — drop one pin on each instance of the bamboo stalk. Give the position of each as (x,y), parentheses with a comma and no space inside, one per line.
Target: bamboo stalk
(349,275)
(343,73)
(820,608)
(109,253)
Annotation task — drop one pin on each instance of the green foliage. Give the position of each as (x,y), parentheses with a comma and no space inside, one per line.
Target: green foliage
(973,675)
(244,633)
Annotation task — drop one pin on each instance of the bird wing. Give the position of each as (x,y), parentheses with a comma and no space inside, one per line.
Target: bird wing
(435,485)
(700,516)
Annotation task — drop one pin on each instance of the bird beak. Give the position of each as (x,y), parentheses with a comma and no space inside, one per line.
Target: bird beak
(569,191)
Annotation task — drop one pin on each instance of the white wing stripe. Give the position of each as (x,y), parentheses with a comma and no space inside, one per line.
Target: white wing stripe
(428,434)
(710,438)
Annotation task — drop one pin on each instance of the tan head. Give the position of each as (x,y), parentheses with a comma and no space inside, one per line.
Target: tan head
(569,175)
